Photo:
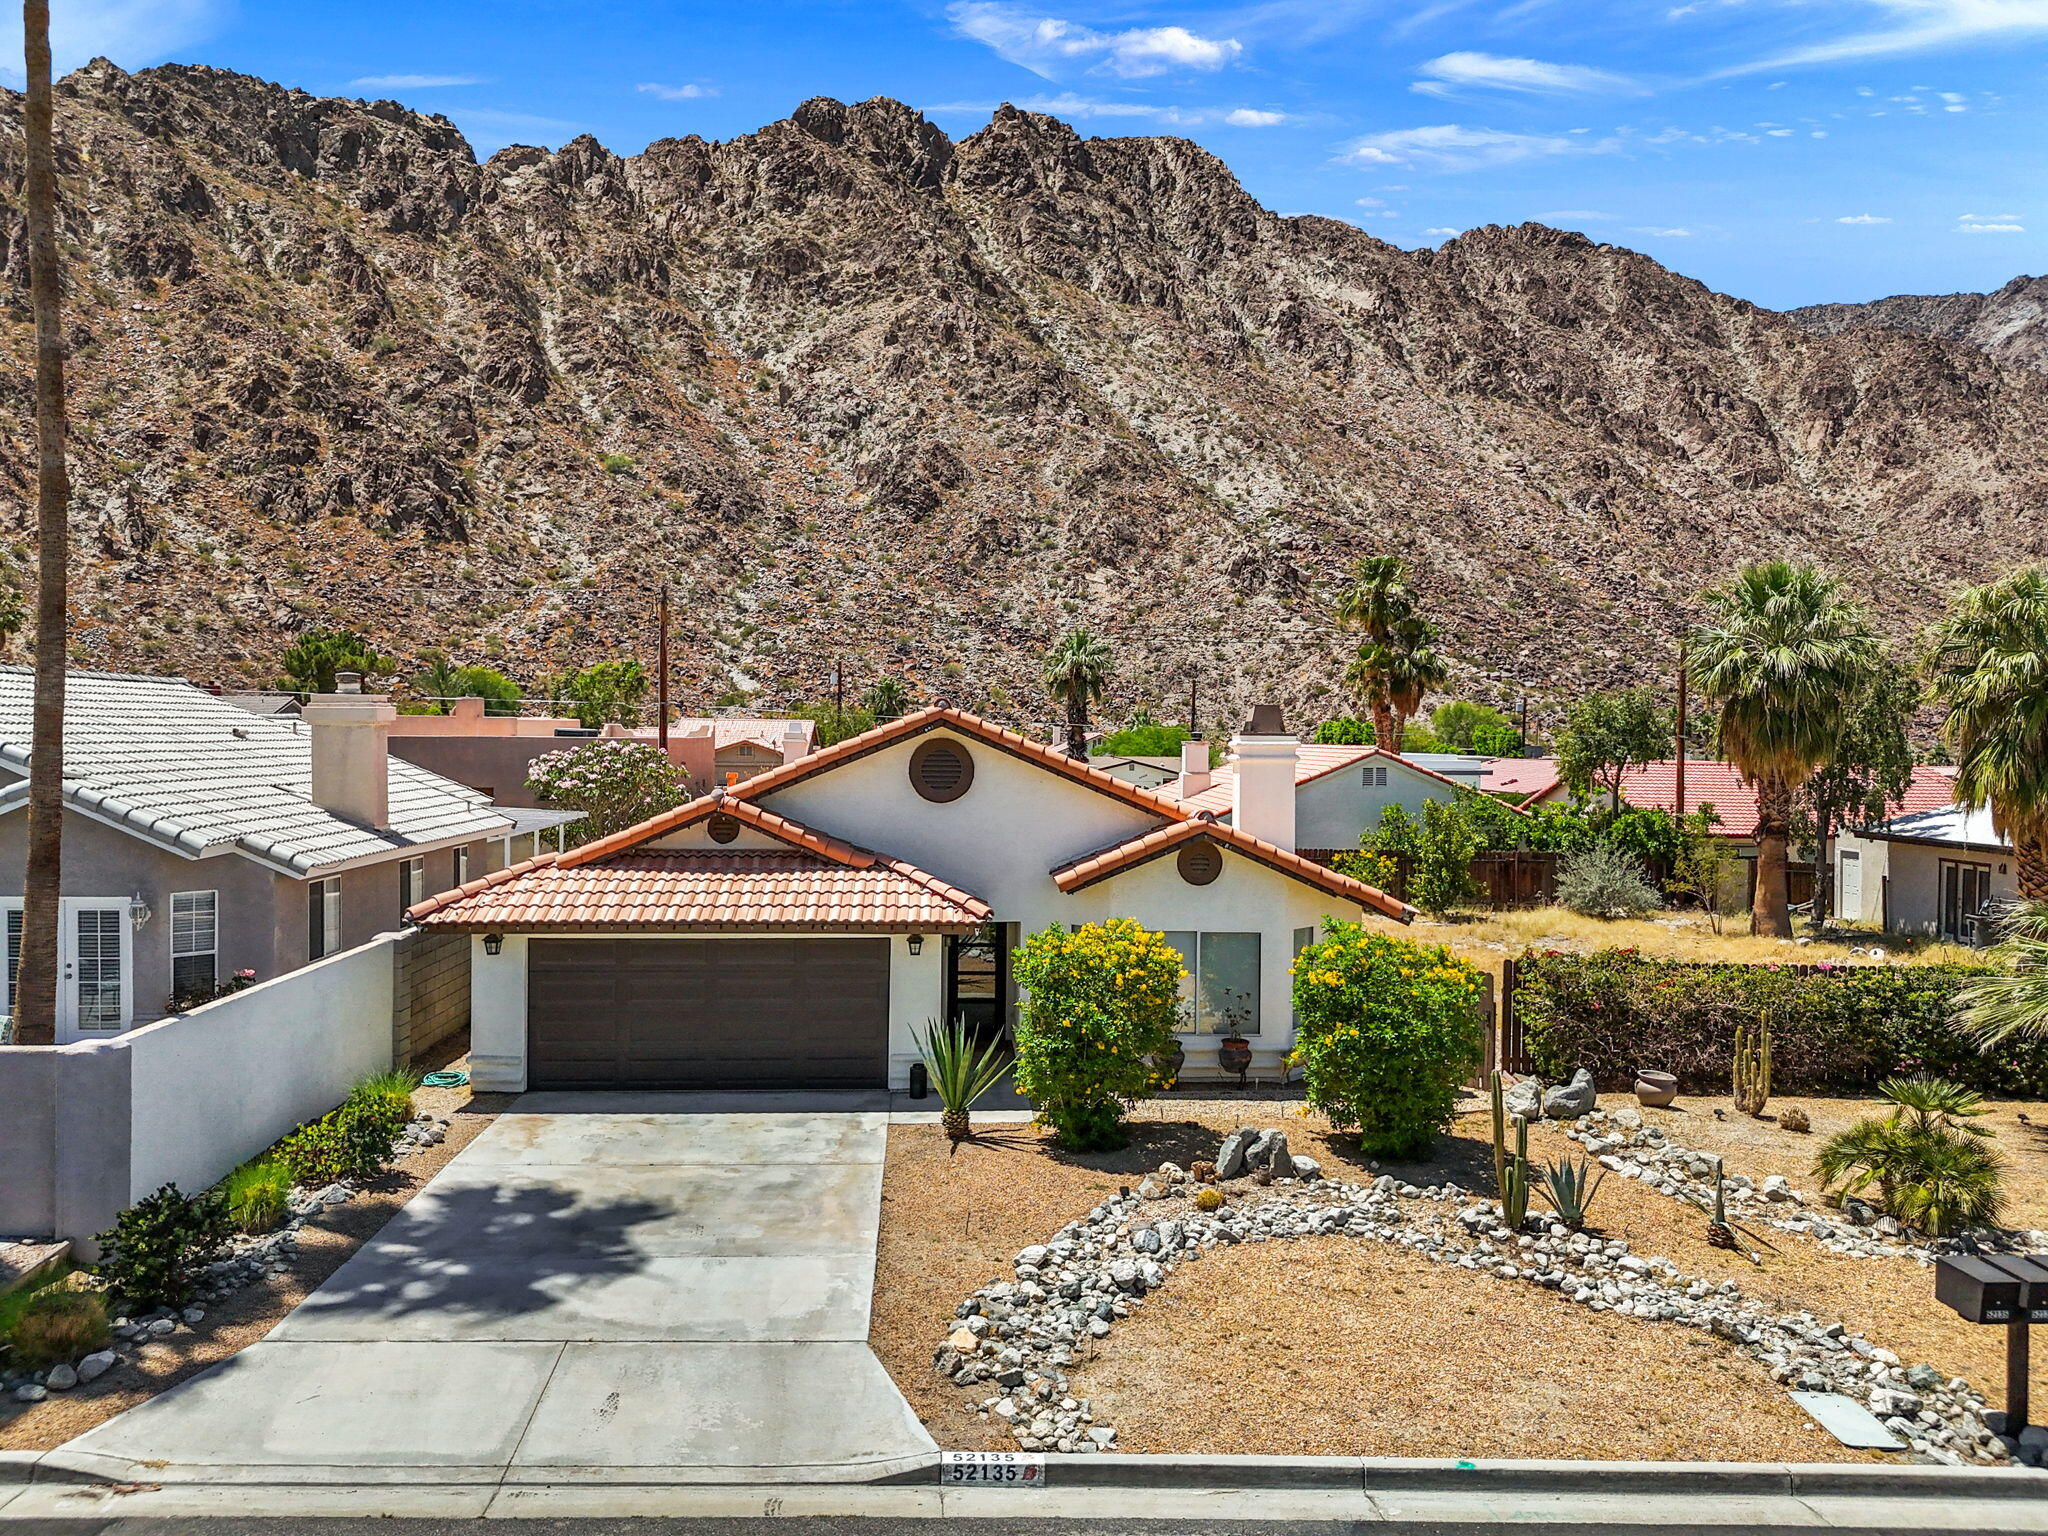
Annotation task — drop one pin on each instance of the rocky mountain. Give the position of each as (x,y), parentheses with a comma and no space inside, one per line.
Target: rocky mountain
(866,395)
(2011,324)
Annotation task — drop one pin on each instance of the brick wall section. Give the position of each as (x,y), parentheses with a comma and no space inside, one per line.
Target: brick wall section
(429,992)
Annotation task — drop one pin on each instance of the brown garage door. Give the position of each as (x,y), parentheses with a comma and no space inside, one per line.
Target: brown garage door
(708,1013)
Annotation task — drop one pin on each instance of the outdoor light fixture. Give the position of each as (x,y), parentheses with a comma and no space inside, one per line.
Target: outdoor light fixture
(916,943)
(138,910)
(494,943)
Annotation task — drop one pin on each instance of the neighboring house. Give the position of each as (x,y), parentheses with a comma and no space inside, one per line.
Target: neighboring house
(1145,772)
(1339,792)
(1518,777)
(799,929)
(1466,768)
(201,839)
(746,747)
(1928,872)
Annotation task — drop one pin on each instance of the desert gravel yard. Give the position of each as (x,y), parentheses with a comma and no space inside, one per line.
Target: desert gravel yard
(1347,1346)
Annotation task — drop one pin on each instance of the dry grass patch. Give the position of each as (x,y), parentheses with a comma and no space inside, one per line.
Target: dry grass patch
(1486,938)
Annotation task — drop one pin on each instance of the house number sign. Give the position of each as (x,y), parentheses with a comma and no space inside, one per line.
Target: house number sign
(1009,1469)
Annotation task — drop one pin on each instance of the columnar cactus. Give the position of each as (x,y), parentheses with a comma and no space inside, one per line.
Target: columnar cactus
(1752,1071)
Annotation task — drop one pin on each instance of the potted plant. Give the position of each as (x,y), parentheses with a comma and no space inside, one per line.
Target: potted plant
(1170,1061)
(1234,1052)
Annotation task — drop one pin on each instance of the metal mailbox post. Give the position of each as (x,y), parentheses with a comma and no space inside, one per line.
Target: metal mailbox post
(2006,1288)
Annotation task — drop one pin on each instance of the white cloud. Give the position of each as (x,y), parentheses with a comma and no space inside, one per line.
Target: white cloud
(687,92)
(1455,71)
(1668,234)
(1863,218)
(133,33)
(1987,227)
(1069,105)
(1368,202)
(1043,44)
(1449,147)
(1442,232)
(1919,26)
(410,82)
(1252,117)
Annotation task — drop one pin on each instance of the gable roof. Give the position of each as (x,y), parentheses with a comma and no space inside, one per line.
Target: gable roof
(1530,777)
(812,883)
(1312,761)
(172,764)
(1079,874)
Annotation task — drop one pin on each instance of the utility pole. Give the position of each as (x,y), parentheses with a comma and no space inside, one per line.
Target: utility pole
(661,666)
(838,692)
(1679,773)
(1194,731)
(1523,729)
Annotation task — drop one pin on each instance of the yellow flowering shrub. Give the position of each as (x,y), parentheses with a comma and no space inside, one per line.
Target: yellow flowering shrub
(1100,1004)
(1387,1031)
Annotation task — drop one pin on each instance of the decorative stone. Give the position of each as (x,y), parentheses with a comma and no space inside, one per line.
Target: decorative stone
(97,1364)
(1307,1168)
(1777,1189)
(61,1378)
(1230,1159)
(1525,1099)
(1572,1099)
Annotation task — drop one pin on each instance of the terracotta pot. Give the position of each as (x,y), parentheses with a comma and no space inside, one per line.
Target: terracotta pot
(1654,1090)
(1235,1055)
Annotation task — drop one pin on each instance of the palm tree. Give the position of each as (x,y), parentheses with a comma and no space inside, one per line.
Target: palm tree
(2012,1002)
(887,700)
(35,993)
(1781,653)
(1990,666)
(438,681)
(1397,664)
(1076,672)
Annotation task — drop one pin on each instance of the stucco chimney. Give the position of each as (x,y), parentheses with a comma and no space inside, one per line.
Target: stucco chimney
(1263,755)
(1194,769)
(795,743)
(351,756)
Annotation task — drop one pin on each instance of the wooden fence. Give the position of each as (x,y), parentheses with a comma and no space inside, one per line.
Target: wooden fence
(1513,878)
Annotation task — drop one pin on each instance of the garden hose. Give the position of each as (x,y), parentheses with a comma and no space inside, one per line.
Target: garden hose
(444,1079)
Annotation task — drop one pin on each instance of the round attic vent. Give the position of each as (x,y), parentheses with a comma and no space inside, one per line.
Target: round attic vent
(723,828)
(941,770)
(1200,861)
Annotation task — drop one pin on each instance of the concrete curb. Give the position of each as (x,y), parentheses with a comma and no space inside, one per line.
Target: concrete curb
(44,1467)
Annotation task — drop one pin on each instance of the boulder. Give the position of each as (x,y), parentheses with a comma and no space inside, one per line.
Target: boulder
(1777,1189)
(1573,1099)
(1269,1151)
(1230,1158)
(1525,1099)
(1307,1168)
(97,1364)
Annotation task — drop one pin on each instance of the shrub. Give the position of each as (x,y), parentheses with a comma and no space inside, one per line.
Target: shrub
(392,1088)
(1842,1028)
(57,1325)
(1933,1178)
(354,1142)
(1605,881)
(1101,1003)
(256,1194)
(616,784)
(1445,846)
(1385,1031)
(152,1255)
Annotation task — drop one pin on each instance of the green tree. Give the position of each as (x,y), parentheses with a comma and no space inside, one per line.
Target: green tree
(1445,844)
(1344,732)
(1396,665)
(604,693)
(1606,734)
(887,700)
(1458,724)
(835,724)
(317,656)
(616,784)
(1990,669)
(500,694)
(1869,774)
(1143,737)
(1497,741)
(1076,672)
(1780,653)
(434,683)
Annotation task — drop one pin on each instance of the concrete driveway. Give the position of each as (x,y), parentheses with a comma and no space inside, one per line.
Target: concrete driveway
(605,1287)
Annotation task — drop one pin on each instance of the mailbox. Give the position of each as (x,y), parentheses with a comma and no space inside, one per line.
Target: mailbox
(1979,1291)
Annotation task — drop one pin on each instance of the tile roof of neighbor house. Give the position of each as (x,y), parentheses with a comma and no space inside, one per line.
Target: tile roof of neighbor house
(171,763)
(1078,874)
(1953,826)
(1654,786)
(731,730)
(600,857)
(814,882)
(1519,775)
(1312,760)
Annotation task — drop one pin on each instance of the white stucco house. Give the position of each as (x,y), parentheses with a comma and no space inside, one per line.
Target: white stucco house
(1930,873)
(797,929)
(1339,792)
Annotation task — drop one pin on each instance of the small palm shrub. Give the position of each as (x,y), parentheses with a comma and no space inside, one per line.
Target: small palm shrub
(960,1072)
(1935,1104)
(256,1194)
(57,1325)
(152,1255)
(1928,1170)
(1605,881)
(1386,1031)
(1101,1006)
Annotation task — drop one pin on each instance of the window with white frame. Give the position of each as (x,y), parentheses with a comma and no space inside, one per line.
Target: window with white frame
(13,910)
(461,866)
(195,941)
(1221,988)
(412,884)
(323,918)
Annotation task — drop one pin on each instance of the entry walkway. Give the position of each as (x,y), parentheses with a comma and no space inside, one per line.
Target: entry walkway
(601,1287)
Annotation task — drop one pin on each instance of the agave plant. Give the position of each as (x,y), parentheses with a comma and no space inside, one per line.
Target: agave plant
(961,1072)
(1569,1186)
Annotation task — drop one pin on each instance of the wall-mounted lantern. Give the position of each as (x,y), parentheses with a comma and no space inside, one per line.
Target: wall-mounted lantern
(494,943)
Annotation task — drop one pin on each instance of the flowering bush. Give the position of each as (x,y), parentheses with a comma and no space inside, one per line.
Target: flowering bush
(192,997)
(1386,1031)
(1833,1028)
(1100,1004)
(614,783)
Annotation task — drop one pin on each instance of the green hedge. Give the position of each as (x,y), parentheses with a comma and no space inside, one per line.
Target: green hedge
(1833,1029)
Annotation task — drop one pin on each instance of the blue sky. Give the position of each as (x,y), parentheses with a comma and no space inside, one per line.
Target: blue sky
(1788,151)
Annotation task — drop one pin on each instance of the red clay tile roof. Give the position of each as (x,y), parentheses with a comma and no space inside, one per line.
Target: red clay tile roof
(1312,760)
(795,833)
(1655,786)
(1100,865)
(1528,776)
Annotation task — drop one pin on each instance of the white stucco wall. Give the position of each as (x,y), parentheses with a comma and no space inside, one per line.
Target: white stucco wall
(219,1084)
(1913,891)
(1335,810)
(1872,856)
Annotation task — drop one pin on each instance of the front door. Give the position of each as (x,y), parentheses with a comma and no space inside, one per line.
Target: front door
(1849,898)
(977,976)
(95,970)
(1965,892)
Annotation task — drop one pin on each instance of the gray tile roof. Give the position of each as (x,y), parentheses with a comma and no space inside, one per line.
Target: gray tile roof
(193,773)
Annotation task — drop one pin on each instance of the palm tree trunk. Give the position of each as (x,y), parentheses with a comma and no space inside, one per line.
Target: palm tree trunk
(1769,915)
(2030,863)
(35,996)
(1077,727)
(1386,730)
